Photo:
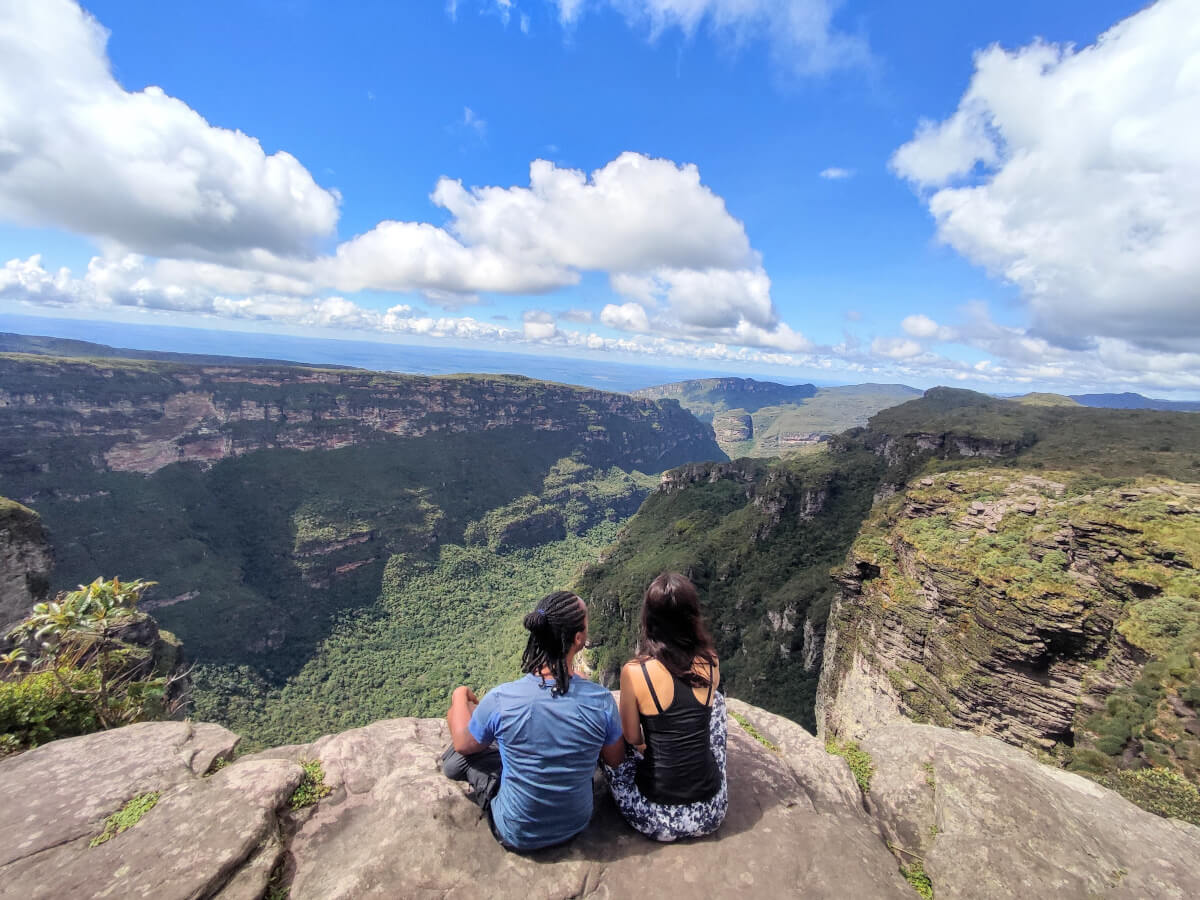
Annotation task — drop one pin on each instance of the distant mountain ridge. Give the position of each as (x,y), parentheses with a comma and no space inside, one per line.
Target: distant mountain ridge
(763,418)
(41,345)
(707,396)
(1129,400)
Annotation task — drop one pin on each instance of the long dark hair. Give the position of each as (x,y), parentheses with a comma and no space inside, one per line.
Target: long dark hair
(673,630)
(552,629)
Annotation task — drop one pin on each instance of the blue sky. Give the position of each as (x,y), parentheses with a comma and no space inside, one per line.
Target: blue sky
(721,183)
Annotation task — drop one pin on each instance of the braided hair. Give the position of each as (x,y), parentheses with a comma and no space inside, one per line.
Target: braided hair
(552,629)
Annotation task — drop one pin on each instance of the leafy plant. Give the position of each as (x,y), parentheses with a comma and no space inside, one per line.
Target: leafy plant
(312,787)
(84,676)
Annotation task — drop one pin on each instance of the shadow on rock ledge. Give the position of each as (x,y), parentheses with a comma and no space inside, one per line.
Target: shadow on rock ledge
(394,827)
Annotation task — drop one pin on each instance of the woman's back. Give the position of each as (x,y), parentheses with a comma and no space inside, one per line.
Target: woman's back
(678,766)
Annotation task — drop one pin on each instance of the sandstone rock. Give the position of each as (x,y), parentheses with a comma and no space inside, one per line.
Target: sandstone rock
(991,822)
(933,634)
(394,826)
(62,791)
(189,845)
(733,427)
(152,415)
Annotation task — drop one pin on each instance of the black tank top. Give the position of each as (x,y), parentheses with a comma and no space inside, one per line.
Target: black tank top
(678,766)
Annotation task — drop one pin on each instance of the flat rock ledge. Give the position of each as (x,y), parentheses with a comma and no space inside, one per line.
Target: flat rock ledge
(392,826)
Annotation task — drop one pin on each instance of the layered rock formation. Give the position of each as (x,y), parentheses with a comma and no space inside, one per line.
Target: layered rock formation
(986,821)
(141,416)
(25,563)
(1008,604)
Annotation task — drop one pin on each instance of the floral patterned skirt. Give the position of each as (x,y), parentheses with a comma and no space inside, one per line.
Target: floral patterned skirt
(665,821)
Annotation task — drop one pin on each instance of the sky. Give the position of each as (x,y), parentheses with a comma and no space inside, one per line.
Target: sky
(1003,196)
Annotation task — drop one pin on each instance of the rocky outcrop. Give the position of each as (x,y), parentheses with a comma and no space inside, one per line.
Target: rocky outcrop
(205,837)
(988,821)
(733,427)
(999,602)
(25,563)
(142,416)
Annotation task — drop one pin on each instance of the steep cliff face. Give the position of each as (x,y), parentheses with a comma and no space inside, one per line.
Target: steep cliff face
(25,563)
(141,416)
(758,538)
(1052,614)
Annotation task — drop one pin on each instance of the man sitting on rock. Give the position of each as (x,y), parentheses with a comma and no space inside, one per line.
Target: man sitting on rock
(551,727)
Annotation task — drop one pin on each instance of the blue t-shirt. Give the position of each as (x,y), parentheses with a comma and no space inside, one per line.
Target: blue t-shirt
(549,744)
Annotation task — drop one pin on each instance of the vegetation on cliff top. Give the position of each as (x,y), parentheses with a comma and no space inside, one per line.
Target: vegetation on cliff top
(1105,576)
(1103,443)
(74,669)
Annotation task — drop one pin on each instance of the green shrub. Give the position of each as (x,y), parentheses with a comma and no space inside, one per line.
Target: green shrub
(40,707)
(312,787)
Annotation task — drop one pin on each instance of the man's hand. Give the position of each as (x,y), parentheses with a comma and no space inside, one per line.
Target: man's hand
(462,703)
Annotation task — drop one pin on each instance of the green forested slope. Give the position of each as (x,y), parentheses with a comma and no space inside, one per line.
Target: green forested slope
(454,621)
(759,539)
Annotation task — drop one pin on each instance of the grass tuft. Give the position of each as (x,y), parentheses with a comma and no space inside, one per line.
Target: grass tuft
(126,817)
(754,732)
(856,758)
(914,874)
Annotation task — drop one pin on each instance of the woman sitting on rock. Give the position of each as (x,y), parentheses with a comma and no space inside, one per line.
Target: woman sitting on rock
(552,726)
(676,786)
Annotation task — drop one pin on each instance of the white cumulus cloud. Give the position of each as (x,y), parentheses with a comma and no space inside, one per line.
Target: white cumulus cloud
(136,168)
(629,316)
(1074,174)
(198,218)
(925,328)
(895,348)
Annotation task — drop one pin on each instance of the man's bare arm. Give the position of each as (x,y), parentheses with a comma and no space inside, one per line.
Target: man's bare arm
(462,703)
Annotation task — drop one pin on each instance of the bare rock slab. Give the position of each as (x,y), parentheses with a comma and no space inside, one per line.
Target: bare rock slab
(189,845)
(394,826)
(992,822)
(64,790)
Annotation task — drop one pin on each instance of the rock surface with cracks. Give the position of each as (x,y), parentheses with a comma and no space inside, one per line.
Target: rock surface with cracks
(393,826)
